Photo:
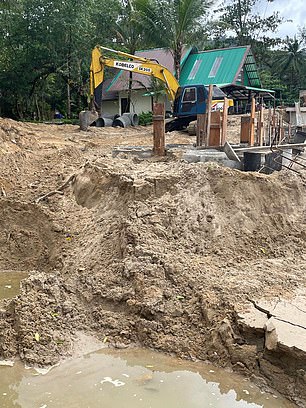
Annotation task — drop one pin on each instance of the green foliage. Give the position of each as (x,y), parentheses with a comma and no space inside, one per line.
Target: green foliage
(46,46)
(174,23)
(46,53)
(243,22)
(145,118)
(287,69)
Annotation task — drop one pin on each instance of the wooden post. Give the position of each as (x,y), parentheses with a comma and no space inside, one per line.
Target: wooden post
(260,127)
(204,121)
(245,129)
(281,130)
(208,110)
(201,130)
(224,122)
(159,129)
(273,133)
(215,129)
(252,123)
(269,127)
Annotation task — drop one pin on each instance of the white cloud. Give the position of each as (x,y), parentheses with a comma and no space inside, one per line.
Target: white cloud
(293,10)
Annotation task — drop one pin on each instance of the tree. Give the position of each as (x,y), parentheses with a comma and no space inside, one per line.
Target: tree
(174,23)
(242,22)
(45,52)
(294,55)
(130,33)
(290,64)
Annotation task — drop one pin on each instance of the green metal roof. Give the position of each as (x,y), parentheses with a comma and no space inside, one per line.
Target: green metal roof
(252,88)
(219,67)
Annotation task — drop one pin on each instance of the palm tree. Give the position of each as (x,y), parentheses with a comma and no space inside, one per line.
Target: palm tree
(130,33)
(292,60)
(173,23)
(294,55)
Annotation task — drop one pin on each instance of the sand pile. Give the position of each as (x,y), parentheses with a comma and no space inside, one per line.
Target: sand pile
(158,253)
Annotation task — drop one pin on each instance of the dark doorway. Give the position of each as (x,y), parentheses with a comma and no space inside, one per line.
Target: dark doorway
(124,105)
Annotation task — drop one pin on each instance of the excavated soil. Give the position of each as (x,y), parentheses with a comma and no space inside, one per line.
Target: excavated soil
(155,252)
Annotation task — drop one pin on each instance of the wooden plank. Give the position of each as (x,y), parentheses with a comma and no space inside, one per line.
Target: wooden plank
(208,110)
(159,129)
(273,126)
(201,130)
(281,130)
(268,148)
(224,121)
(257,148)
(269,127)
(245,129)
(260,127)
(252,123)
(230,152)
(215,129)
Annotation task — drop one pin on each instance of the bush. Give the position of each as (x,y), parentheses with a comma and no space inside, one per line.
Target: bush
(145,118)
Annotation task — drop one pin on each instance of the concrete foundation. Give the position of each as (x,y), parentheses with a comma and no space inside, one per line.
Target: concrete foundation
(282,321)
(143,152)
(211,155)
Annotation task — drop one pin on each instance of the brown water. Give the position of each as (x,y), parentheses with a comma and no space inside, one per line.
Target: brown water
(10,283)
(130,379)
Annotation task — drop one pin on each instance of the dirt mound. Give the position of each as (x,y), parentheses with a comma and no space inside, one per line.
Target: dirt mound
(153,252)
(199,209)
(27,237)
(168,253)
(15,136)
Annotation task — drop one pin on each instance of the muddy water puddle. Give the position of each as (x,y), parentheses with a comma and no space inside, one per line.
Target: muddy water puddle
(130,379)
(10,283)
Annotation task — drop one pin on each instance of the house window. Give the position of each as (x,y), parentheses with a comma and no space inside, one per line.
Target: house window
(190,95)
(195,69)
(215,67)
(240,76)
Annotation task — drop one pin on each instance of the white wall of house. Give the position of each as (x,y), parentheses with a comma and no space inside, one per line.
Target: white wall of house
(141,103)
(111,107)
(297,115)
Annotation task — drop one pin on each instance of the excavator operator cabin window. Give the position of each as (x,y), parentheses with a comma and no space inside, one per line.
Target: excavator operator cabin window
(190,95)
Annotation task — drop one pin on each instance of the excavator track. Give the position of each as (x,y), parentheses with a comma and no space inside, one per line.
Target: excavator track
(178,123)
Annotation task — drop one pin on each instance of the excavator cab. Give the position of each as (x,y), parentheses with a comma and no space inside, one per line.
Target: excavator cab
(190,101)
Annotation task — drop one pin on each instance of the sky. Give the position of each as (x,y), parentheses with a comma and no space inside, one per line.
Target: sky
(294,10)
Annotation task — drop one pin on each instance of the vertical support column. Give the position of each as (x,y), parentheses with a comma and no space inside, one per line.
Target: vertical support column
(204,121)
(289,131)
(201,130)
(260,126)
(215,130)
(281,131)
(252,123)
(224,122)
(273,125)
(245,129)
(208,111)
(159,129)
(269,126)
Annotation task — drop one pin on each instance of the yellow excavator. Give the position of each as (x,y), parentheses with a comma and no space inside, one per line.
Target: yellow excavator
(135,64)
(188,101)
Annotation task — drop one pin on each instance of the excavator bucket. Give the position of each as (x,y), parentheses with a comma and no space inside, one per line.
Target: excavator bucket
(87,118)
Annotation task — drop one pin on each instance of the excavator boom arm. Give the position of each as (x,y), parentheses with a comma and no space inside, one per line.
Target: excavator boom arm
(135,64)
